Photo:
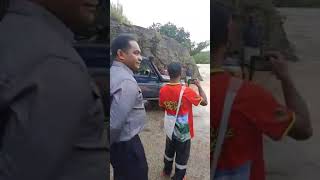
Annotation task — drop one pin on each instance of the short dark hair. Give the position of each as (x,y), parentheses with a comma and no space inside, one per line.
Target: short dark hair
(221,18)
(121,42)
(174,70)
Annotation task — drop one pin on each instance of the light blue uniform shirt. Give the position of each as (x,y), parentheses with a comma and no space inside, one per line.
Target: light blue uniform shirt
(127,112)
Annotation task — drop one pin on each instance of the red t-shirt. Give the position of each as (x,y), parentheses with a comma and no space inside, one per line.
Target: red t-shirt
(254,112)
(169,97)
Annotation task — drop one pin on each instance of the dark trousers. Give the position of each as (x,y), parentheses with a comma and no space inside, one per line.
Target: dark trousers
(128,160)
(182,152)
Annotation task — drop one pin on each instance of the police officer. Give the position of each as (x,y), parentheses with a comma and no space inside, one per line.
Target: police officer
(127,113)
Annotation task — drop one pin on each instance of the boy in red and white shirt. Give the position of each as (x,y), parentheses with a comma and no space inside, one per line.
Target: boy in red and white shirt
(183,130)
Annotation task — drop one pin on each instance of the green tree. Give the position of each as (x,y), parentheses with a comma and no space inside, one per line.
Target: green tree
(202,57)
(116,12)
(197,48)
(181,35)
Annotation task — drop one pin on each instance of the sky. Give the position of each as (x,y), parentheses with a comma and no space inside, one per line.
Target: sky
(192,15)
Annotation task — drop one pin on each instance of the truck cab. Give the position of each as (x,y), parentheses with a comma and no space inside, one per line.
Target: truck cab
(149,79)
(98,61)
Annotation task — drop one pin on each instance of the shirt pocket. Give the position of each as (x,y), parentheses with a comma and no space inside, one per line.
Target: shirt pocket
(96,112)
(93,129)
(139,101)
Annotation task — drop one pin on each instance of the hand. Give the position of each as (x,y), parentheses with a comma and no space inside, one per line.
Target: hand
(279,65)
(197,83)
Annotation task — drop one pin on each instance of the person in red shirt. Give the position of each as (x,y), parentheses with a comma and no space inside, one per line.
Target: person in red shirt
(183,130)
(255,112)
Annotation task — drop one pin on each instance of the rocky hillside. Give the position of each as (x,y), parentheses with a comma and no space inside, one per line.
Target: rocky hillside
(162,48)
(270,20)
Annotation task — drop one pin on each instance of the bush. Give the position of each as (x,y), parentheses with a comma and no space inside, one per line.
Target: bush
(116,13)
(202,58)
(181,35)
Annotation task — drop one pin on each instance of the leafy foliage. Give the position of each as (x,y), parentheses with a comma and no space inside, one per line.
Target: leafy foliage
(181,35)
(196,49)
(116,12)
(202,57)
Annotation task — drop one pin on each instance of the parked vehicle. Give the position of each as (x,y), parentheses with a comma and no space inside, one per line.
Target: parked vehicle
(97,58)
(150,80)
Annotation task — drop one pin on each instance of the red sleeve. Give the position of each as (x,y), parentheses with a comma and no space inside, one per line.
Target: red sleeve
(263,110)
(192,96)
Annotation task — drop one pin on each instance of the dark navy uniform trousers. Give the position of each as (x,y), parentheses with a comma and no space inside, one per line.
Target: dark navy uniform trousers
(128,160)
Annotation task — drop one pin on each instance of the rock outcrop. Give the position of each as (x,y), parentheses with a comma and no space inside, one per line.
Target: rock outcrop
(162,48)
(271,22)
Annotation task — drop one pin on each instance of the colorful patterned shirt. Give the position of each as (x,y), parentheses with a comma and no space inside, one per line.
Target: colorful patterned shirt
(168,99)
